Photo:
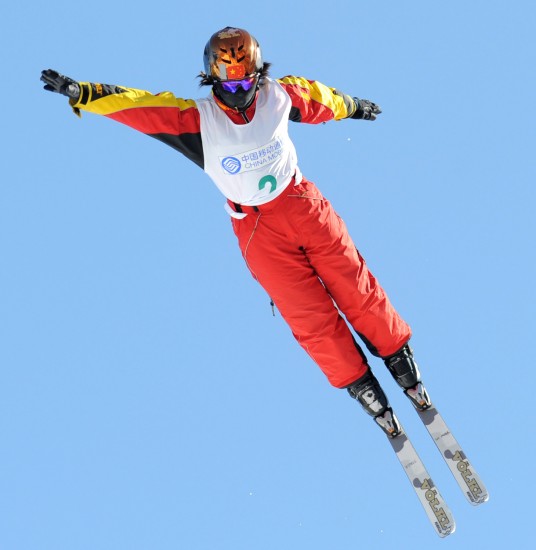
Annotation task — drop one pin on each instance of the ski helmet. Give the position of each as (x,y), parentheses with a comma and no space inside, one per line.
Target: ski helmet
(233,54)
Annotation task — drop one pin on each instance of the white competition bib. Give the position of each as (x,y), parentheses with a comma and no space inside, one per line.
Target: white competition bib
(252,163)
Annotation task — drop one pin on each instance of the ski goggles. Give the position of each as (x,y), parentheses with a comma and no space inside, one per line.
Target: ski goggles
(232,85)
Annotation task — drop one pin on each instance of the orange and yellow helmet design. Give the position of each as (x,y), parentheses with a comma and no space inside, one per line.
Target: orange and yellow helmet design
(232,54)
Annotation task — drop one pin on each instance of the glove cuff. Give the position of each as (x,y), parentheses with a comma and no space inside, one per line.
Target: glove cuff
(359,111)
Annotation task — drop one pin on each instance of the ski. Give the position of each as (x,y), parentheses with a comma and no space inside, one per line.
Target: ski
(463,471)
(372,398)
(433,503)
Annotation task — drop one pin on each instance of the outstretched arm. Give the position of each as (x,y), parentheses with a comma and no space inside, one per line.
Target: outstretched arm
(314,102)
(170,119)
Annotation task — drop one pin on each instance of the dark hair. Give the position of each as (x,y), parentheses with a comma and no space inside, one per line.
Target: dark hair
(207,80)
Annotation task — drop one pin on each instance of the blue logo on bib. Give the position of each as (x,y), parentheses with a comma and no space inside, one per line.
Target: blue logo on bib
(231,165)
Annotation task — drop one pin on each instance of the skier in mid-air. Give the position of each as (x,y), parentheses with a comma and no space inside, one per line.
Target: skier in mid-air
(292,241)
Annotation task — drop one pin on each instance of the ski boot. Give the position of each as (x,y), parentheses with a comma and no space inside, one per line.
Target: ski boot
(406,374)
(368,392)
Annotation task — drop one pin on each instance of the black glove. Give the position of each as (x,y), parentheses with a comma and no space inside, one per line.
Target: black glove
(56,82)
(365,109)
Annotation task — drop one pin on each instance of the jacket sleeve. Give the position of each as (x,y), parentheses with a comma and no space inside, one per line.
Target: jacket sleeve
(170,119)
(314,102)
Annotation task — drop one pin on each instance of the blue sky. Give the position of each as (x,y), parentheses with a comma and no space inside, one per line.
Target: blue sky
(149,399)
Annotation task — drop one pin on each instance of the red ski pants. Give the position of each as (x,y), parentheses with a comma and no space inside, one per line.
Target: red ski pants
(299,250)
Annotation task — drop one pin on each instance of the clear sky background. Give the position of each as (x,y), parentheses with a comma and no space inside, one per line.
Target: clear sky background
(149,400)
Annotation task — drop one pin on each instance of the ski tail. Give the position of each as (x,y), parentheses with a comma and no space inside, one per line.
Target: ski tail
(461,468)
(432,501)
